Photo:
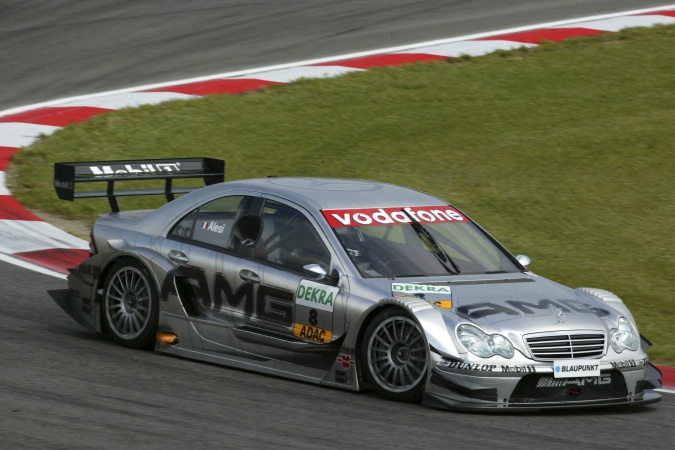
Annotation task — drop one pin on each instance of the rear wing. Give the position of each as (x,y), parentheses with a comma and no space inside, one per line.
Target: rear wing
(68,174)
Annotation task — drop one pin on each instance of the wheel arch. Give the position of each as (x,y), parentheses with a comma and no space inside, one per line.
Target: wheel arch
(156,265)
(420,310)
(154,268)
(608,298)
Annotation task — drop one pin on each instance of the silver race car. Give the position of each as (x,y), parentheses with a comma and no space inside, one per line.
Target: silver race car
(347,283)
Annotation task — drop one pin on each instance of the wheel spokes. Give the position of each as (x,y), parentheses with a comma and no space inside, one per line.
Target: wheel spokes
(397,354)
(128,302)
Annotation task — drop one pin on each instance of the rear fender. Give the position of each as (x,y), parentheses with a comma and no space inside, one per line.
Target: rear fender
(83,299)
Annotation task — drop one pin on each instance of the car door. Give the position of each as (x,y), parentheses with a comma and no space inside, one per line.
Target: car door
(217,279)
(289,299)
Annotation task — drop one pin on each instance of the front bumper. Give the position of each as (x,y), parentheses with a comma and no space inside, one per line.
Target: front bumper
(532,386)
(440,401)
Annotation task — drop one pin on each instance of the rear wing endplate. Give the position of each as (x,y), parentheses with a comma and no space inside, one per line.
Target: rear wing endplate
(68,174)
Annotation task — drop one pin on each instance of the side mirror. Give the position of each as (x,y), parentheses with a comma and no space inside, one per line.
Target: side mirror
(523,260)
(315,271)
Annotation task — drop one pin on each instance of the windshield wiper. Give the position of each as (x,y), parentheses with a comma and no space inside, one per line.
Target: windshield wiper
(438,251)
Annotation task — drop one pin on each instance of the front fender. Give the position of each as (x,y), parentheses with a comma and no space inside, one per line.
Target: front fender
(609,298)
(429,317)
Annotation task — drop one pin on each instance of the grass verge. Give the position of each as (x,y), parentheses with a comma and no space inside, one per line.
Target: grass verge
(564,152)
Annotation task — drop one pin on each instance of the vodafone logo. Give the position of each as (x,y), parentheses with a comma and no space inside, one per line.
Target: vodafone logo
(390,216)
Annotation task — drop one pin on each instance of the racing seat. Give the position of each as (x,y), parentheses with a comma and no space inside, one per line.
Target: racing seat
(304,247)
(291,241)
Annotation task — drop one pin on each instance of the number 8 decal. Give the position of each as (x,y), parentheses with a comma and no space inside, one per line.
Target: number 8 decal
(313,319)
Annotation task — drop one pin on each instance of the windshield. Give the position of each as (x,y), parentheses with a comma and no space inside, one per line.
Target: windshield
(415,242)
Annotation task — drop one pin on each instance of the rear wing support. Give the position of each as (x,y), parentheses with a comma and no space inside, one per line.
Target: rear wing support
(68,174)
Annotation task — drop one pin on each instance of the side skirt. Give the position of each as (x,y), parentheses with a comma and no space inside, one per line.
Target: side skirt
(192,344)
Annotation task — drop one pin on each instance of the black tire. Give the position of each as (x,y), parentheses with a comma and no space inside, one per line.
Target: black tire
(130,305)
(394,355)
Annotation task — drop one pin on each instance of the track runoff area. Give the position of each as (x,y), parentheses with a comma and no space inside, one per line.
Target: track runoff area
(30,242)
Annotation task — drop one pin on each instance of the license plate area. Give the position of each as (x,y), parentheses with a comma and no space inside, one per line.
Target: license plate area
(571,368)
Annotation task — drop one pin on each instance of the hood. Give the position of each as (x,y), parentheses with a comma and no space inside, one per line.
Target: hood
(523,303)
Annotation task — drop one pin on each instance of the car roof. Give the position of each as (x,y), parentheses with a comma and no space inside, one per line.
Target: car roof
(332,193)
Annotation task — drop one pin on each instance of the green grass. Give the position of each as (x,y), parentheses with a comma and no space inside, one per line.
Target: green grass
(564,152)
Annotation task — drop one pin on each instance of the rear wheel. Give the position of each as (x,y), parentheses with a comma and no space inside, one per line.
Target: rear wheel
(130,306)
(394,355)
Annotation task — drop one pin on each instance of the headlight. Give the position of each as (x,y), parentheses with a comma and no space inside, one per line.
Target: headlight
(482,344)
(625,337)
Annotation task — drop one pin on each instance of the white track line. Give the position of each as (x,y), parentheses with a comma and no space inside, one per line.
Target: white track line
(3,186)
(666,391)
(20,236)
(30,266)
(16,134)
(128,100)
(619,23)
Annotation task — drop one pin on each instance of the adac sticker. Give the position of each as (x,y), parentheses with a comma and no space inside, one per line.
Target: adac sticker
(316,295)
(411,288)
(312,333)
(445,304)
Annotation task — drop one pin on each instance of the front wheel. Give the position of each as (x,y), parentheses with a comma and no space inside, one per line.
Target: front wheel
(394,355)
(130,306)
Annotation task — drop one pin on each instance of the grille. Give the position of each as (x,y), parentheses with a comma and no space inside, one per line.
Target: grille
(536,388)
(549,347)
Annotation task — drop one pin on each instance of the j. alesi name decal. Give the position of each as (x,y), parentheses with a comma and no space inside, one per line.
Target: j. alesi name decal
(213,226)
(316,295)
(391,216)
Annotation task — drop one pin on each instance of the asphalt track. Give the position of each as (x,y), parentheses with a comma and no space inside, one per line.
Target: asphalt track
(61,387)
(62,48)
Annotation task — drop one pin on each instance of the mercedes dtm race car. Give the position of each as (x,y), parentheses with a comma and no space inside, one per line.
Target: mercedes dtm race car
(347,283)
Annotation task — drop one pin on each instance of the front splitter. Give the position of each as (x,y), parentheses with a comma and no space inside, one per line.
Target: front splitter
(437,401)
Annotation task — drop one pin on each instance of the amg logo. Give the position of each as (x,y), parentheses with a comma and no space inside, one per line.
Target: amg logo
(517,307)
(549,382)
(136,169)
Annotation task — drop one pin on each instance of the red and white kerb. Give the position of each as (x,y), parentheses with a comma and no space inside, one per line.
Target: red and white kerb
(391,216)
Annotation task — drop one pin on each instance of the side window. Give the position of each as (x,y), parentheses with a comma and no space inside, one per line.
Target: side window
(288,239)
(183,229)
(211,223)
